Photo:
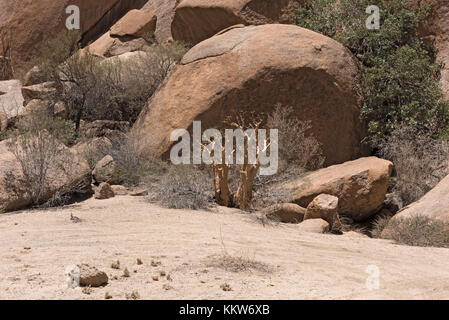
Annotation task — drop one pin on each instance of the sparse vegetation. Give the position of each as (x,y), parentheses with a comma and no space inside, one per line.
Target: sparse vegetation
(238,264)
(297,148)
(38,145)
(132,168)
(420,161)
(418,230)
(6,63)
(379,224)
(183,187)
(95,88)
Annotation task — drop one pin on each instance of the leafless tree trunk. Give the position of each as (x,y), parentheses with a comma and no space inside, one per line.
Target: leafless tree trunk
(6,68)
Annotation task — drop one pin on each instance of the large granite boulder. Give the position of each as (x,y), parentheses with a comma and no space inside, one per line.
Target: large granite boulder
(253,69)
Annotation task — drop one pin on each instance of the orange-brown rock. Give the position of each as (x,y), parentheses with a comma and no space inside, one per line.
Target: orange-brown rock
(197,20)
(136,23)
(107,46)
(435,204)
(30,22)
(165,11)
(91,277)
(62,175)
(286,213)
(314,226)
(435,31)
(359,185)
(324,206)
(254,68)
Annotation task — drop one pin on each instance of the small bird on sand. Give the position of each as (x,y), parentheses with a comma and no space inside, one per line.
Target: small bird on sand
(74,219)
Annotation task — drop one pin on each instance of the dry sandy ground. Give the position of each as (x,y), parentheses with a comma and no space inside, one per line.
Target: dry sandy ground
(299,265)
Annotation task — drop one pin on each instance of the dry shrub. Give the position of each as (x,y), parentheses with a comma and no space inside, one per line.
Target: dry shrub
(239,263)
(37,144)
(182,187)
(299,152)
(379,224)
(420,161)
(418,231)
(348,224)
(131,166)
(97,89)
(297,148)
(6,58)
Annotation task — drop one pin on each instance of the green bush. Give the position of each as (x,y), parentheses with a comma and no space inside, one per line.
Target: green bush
(400,74)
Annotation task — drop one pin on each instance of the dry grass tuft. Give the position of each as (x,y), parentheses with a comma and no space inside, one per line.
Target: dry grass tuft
(418,231)
(225,287)
(238,264)
(115,265)
(133,295)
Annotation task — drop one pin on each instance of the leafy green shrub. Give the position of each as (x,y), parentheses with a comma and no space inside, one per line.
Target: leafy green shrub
(400,75)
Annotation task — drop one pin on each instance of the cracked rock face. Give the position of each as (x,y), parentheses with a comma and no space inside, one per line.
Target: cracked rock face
(254,68)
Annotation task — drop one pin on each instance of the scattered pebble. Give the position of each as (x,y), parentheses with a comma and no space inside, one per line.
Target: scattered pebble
(133,296)
(126,273)
(87,290)
(167,287)
(115,265)
(226,287)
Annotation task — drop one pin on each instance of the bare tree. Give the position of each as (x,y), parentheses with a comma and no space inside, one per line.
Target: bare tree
(247,171)
(6,63)
(37,146)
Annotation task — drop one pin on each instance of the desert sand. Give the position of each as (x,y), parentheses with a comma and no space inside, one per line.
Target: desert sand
(38,245)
